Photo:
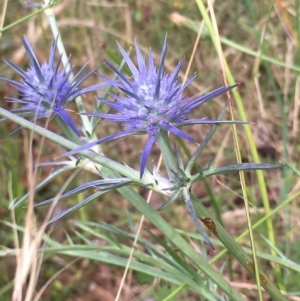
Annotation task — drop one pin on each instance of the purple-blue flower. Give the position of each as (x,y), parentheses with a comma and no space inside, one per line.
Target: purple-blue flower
(45,90)
(152,101)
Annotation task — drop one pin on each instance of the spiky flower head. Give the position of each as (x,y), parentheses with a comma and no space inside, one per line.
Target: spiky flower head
(153,101)
(45,89)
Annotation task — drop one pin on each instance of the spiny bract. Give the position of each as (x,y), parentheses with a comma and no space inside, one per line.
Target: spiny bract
(153,102)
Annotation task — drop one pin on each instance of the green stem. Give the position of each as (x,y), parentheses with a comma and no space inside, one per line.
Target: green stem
(167,153)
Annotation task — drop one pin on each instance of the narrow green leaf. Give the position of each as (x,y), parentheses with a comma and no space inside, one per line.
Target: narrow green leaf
(238,252)
(234,168)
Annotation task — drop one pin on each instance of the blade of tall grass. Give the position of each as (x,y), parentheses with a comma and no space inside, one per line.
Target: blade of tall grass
(260,38)
(212,25)
(250,138)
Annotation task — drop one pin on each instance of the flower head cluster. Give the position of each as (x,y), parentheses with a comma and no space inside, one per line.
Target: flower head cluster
(45,90)
(153,101)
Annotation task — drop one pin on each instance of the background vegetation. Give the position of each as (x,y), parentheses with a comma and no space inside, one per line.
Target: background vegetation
(260,42)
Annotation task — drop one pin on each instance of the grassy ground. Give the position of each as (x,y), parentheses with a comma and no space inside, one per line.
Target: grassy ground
(260,44)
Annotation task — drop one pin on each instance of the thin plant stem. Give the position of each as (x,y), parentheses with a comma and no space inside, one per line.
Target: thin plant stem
(260,40)
(216,40)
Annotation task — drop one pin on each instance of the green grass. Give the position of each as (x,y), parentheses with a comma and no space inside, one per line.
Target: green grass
(259,42)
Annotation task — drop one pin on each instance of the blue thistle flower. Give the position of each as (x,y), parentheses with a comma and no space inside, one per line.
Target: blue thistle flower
(153,102)
(45,90)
